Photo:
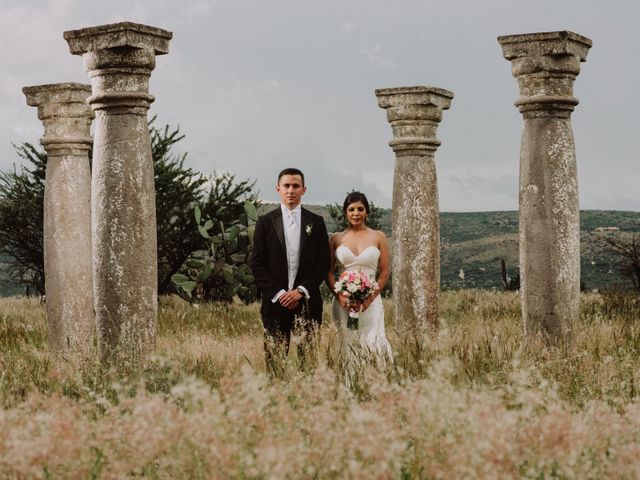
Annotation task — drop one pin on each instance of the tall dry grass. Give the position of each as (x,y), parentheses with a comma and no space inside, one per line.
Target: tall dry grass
(477,401)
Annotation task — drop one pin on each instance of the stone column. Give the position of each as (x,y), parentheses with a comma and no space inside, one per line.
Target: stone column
(67,119)
(546,66)
(119,59)
(414,114)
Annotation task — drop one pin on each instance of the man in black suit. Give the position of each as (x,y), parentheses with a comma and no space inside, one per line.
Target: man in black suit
(290,260)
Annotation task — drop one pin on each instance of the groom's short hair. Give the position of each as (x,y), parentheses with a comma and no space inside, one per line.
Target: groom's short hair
(291,171)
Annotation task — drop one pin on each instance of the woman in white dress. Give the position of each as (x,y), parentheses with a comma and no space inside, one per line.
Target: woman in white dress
(360,248)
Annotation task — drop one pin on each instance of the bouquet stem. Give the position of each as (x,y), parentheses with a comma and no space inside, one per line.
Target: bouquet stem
(352,321)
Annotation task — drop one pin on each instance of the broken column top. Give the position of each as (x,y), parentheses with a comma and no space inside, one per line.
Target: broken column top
(123,34)
(420,95)
(545,43)
(57,93)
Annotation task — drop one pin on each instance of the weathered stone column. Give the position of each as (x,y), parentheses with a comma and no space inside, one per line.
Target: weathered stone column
(67,119)
(546,66)
(119,59)
(414,114)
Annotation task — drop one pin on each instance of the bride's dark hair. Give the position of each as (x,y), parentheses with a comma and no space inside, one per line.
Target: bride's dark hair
(354,197)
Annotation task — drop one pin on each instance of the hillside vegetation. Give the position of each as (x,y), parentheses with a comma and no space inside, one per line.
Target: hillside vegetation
(476,242)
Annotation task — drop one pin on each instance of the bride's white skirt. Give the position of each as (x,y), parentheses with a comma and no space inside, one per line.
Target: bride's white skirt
(369,340)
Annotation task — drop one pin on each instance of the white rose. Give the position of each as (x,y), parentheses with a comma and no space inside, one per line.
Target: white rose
(352,288)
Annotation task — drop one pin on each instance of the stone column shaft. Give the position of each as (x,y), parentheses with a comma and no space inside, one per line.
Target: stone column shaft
(119,59)
(414,114)
(546,66)
(67,213)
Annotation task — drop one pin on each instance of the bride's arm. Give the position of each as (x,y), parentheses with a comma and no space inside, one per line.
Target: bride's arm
(383,268)
(331,279)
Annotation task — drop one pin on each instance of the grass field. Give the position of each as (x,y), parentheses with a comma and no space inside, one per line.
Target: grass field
(477,401)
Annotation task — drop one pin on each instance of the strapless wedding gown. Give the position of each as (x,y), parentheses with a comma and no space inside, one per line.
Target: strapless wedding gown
(370,336)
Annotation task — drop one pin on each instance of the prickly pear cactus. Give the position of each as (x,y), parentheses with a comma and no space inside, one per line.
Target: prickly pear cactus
(220,271)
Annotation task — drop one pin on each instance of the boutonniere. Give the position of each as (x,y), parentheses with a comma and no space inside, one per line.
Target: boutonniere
(308,229)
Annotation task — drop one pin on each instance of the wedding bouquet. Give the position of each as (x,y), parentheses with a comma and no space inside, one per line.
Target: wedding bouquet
(357,287)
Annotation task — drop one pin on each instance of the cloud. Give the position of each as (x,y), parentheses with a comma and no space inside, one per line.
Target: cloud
(200,8)
(612,202)
(380,55)
(270,87)
(257,86)
(458,190)
(348,27)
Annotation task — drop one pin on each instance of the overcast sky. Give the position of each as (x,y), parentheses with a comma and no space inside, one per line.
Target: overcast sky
(259,85)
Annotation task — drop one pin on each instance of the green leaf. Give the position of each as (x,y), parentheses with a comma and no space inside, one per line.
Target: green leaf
(208,224)
(203,276)
(198,214)
(233,233)
(203,232)
(179,279)
(251,230)
(191,263)
(188,286)
(238,257)
(251,211)
(218,266)
(244,268)
(232,246)
(228,276)
(229,291)
(216,240)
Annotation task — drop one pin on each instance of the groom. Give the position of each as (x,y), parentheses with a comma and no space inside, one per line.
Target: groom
(290,259)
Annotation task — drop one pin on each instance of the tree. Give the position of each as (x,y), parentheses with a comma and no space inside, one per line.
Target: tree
(21,218)
(627,256)
(178,190)
(225,201)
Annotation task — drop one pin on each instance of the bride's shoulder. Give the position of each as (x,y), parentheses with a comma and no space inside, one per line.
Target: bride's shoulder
(335,238)
(381,237)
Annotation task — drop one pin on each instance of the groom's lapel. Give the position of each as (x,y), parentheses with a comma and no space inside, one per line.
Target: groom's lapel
(306,221)
(278,226)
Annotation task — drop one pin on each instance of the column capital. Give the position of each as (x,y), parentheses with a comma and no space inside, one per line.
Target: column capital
(546,65)
(119,59)
(414,114)
(118,35)
(65,115)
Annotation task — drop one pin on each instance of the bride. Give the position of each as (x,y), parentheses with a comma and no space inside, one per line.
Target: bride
(360,248)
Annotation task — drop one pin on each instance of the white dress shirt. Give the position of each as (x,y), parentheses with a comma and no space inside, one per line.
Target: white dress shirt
(291,221)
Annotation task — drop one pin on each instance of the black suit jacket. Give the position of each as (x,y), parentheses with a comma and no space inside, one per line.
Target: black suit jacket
(269,260)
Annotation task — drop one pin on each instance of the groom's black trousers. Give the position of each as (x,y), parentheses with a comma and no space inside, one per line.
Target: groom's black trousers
(277,336)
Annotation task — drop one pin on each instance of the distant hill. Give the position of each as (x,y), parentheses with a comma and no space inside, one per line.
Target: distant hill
(475,242)
(7,287)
